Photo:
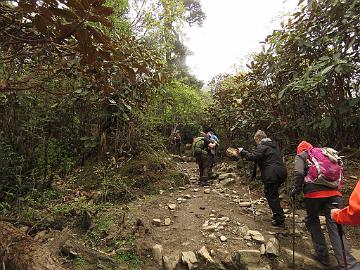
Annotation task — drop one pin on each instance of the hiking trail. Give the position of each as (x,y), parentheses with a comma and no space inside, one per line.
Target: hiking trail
(213,227)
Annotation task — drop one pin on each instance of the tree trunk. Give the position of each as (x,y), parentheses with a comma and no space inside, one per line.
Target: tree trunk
(20,251)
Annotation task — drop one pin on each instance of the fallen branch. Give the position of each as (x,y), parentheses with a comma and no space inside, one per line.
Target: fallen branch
(90,255)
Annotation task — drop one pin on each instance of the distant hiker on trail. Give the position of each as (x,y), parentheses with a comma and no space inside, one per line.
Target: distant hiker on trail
(273,172)
(318,173)
(349,215)
(214,139)
(175,142)
(201,148)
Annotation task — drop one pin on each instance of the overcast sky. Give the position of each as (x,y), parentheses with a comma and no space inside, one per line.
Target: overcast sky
(231,33)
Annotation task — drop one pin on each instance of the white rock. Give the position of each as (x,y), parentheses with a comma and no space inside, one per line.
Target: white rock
(172,206)
(257,236)
(207,191)
(187,196)
(225,219)
(243,229)
(189,258)
(213,236)
(273,247)
(156,222)
(157,253)
(167,221)
(244,204)
(204,253)
(223,238)
(262,249)
(247,237)
(171,261)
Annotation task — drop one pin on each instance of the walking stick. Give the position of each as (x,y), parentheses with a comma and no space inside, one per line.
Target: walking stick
(251,202)
(293,233)
(341,235)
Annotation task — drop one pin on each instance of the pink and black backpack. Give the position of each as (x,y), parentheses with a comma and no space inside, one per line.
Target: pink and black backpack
(324,167)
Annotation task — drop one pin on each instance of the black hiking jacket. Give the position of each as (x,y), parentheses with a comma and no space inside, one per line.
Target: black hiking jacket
(267,155)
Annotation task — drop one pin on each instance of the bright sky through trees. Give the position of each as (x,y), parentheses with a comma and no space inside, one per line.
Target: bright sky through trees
(231,32)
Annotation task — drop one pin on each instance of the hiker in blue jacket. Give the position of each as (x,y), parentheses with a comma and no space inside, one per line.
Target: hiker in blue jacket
(214,139)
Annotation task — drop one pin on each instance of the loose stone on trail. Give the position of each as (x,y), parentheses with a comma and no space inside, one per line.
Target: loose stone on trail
(223,238)
(157,253)
(273,247)
(204,253)
(256,236)
(167,221)
(156,222)
(244,204)
(172,206)
(189,258)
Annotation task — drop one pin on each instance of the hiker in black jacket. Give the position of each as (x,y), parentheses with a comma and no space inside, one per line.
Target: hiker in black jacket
(273,172)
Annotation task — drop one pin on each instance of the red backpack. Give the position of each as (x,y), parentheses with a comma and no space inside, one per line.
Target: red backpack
(324,167)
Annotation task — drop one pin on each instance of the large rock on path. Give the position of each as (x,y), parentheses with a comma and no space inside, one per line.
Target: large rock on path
(205,255)
(157,253)
(273,247)
(245,258)
(171,261)
(256,236)
(189,258)
(301,260)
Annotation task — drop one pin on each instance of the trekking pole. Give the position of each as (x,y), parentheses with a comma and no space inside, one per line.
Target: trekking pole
(341,235)
(251,202)
(293,233)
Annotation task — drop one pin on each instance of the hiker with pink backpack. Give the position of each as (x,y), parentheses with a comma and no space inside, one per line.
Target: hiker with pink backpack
(318,172)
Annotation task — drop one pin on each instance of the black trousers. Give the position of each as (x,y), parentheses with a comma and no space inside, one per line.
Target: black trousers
(203,160)
(271,191)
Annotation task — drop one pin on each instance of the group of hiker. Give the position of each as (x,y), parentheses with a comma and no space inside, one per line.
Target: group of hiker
(318,173)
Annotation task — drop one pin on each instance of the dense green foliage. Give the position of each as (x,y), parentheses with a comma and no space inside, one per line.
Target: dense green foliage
(304,84)
(75,80)
(178,106)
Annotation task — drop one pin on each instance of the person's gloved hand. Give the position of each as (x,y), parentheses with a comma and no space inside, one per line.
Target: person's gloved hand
(239,150)
(333,211)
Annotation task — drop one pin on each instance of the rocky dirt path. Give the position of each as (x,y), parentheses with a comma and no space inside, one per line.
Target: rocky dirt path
(193,227)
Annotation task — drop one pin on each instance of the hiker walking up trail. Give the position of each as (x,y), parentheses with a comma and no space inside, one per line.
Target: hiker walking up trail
(273,172)
(175,142)
(201,149)
(214,139)
(349,215)
(318,173)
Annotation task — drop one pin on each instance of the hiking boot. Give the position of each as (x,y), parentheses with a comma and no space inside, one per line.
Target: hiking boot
(325,261)
(280,224)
